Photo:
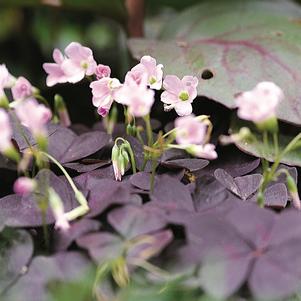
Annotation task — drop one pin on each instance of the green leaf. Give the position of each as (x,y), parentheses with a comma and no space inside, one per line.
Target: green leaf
(231,46)
(257,148)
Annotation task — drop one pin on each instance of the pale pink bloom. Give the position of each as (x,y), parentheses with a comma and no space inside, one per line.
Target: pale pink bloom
(259,104)
(79,62)
(5,131)
(179,94)
(137,76)
(102,71)
(206,151)
(154,72)
(190,130)
(103,91)
(33,115)
(24,186)
(139,99)
(56,75)
(22,89)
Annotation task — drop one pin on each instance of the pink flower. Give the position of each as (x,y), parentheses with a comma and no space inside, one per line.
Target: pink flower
(5,131)
(56,75)
(179,94)
(154,72)
(33,115)
(22,89)
(103,91)
(24,186)
(6,80)
(137,76)
(206,151)
(190,130)
(259,104)
(139,99)
(102,71)
(79,62)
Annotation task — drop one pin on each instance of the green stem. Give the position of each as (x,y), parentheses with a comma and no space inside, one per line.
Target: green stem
(42,99)
(276,144)
(149,131)
(132,157)
(153,174)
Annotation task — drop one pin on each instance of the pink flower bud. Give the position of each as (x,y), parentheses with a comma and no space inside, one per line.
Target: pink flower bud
(179,94)
(24,186)
(102,71)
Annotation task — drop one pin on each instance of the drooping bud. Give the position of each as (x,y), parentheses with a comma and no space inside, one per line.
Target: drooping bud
(57,208)
(120,272)
(61,110)
(293,190)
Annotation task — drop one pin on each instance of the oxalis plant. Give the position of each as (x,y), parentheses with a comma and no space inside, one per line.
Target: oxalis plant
(24,109)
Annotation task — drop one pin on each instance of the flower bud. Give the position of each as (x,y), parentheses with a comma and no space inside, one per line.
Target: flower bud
(120,272)
(293,190)
(120,159)
(269,125)
(62,112)
(24,186)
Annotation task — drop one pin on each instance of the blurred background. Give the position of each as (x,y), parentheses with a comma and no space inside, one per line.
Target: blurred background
(31,29)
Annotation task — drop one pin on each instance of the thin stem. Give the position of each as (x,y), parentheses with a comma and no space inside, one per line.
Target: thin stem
(276,143)
(153,174)
(291,145)
(149,131)
(133,162)
(69,179)
(42,99)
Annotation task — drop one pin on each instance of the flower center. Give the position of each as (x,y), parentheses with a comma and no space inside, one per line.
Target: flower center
(84,65)
(152,80)
(184,95)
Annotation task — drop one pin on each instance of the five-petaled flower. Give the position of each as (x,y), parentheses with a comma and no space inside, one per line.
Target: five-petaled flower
(103,91)
(179,94)
(33,115)
(259,104)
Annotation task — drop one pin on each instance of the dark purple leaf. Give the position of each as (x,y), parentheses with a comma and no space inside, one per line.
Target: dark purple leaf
(141,180)
(171,193)
(189,164)
(173,154)
(62,240)
(32,286)
(131,221)
(16,249)
(85,166)
(243,187)
(102,246)
(104,193)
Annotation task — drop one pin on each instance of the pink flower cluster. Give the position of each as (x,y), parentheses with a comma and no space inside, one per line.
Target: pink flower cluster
(72,67)
(5,132)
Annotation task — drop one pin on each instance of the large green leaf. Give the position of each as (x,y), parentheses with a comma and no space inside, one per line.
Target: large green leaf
(239,43)
(258,149)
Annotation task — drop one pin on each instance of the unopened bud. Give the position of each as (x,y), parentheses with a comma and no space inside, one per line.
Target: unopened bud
(24,186)
(61,109)
(269,125)
(293,190)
